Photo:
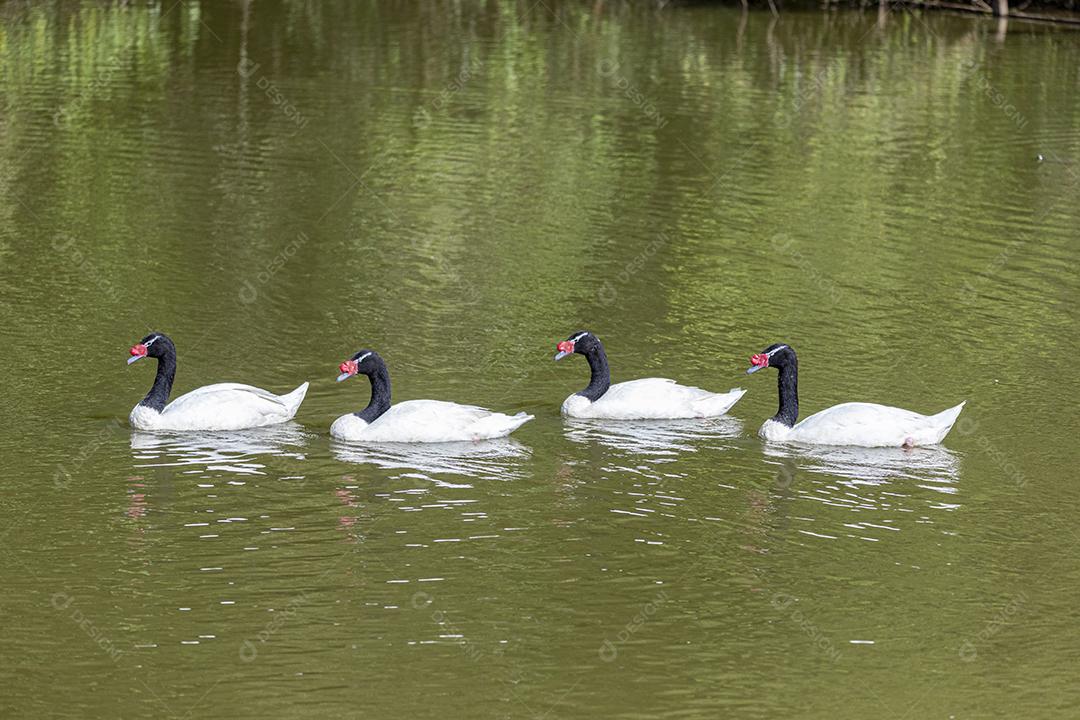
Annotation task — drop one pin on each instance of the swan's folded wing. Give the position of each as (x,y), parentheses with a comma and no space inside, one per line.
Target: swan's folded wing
(659,388)
(660,398)
(229,395)
(436,413)
(641,390)
(857,423)
(438,421)
(239,387)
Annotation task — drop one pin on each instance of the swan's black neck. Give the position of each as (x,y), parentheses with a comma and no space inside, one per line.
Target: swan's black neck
(159,392)
(787,383)
(601,375)
(380,392)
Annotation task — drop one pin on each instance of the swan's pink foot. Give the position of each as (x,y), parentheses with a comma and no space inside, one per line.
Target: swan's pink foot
(909,442)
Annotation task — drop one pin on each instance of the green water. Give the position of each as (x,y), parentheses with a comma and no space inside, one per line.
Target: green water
(460,186)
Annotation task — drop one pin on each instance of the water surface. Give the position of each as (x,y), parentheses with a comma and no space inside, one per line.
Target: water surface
(460,186)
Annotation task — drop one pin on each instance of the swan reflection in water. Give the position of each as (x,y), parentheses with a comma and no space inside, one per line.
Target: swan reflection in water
(238,451)
(653,437)
(498,459)
(866,494)
(931,467)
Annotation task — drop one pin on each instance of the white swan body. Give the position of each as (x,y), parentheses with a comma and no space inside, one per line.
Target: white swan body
(645,399)
(855,423)
(223,406)
(651,398)
(428,421)
(414,421)
(866,425)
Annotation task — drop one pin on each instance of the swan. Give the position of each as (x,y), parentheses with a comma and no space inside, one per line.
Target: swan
(224,406)
(649,398)
(414,421)
(854,423)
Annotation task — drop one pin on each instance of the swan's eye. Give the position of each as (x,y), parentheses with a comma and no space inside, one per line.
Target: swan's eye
(566,346)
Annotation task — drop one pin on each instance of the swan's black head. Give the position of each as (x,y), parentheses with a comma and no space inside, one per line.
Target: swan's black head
(778,356)
(364,362)
(582,342)
(155,345)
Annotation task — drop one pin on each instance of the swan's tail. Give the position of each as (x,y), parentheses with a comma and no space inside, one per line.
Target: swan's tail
(942,423)
(292,400)
(499,425)
(718,403)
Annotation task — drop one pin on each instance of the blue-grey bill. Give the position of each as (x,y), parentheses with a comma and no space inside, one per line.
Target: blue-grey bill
(755,368)
(560,355)
(344,376)
(133,358)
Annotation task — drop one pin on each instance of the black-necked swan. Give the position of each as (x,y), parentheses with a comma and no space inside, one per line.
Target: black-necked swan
(224,406)
(414,421)
(649,398)
(854,423)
